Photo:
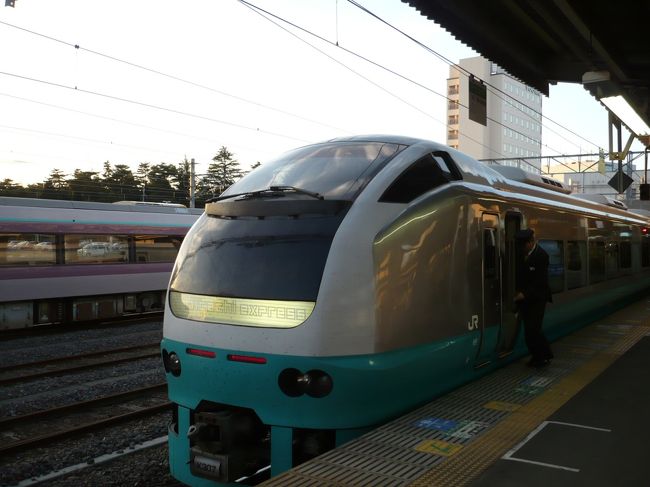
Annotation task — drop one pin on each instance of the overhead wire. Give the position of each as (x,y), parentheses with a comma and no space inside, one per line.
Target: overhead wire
(77,47)
(258,10)
(261,12)
(175,78)
(152,106)
(468,73)
(85,139)
(134,124)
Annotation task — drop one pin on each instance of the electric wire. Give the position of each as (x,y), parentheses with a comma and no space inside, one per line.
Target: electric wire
(151,106)
(261,12)
(85,139)
(466,72)
(176,78)
(134,124)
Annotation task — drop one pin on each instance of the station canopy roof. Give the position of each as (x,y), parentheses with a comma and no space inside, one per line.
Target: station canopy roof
(541,42)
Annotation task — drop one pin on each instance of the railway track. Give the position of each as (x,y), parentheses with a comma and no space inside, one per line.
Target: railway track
(43,427)
(44,368)
(60,328)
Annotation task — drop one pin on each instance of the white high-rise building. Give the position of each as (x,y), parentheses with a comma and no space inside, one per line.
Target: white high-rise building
(514,120)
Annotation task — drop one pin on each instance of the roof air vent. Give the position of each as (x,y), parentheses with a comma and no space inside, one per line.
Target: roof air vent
(518,174)
(603,200)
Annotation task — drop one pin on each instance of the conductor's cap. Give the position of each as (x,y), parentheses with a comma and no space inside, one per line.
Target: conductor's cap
(525,235)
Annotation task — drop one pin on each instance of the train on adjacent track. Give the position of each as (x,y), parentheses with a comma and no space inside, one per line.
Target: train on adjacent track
(70,261)
(348,282)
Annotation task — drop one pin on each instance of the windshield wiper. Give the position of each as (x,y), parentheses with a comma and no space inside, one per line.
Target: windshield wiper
(278,191)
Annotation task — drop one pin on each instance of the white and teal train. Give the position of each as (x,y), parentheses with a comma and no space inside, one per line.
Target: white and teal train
(348,282)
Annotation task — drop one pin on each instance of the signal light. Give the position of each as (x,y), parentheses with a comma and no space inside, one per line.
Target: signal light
(314,383)
(644,230)
(172,363)
(201,353)
(246,359)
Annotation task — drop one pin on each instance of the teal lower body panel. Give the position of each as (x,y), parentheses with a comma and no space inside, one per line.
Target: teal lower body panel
(368,390)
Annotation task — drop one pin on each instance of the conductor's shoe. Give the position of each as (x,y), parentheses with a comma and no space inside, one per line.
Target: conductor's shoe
(538,363)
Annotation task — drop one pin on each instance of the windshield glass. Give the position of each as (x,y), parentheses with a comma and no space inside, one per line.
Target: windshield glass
(257,259)
(335,170)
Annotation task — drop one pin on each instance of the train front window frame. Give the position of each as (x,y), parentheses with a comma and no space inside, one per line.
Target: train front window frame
(335,170)
(427,173)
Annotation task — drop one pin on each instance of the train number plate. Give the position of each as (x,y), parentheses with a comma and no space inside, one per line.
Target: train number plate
(207,465)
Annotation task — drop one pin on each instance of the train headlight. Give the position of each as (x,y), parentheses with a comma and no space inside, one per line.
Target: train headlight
(320,383)
(174,364)
(165,359)
(314,383)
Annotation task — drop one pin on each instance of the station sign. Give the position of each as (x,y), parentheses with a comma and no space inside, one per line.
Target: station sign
(477,101)
(620,181)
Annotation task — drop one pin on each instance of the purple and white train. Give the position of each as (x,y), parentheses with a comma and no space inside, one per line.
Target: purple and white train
(71,261)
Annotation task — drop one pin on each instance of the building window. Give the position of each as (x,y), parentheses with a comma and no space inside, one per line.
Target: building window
(452,135)
(453,89)
(453,105)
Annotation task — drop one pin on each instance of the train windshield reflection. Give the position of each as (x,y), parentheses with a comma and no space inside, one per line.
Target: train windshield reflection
(336,170)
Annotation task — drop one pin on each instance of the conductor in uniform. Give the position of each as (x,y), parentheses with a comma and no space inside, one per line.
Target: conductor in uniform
(533,292)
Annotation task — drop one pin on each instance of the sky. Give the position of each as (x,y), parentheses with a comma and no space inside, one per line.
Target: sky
(161,80)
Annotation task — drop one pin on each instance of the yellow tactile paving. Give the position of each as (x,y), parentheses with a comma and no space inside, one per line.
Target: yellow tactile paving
(456,437)
(463,467)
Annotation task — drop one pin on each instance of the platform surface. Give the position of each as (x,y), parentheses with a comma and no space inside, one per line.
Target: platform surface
(580,421)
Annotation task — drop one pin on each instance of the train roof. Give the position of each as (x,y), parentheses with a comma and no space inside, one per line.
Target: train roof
(512,179)
(88,205)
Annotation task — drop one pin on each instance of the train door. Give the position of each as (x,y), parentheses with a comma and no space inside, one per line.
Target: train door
(510,258)
(491,282)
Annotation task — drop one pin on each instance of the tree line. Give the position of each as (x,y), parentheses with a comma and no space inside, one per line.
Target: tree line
(163,182)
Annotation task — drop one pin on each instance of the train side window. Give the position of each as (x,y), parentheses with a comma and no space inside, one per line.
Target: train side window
(596,261)
(645,251)
(555,251)
(625,253)
(96,249)
(576,269)
(489,254)
(423,175)
(26,249)
(611,259)
(156,248)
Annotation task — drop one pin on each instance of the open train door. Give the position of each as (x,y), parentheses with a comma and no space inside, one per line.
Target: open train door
(509,323)
(490,322)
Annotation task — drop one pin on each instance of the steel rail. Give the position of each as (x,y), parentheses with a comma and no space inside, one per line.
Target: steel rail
(12,378)
(50,437)
(11,421)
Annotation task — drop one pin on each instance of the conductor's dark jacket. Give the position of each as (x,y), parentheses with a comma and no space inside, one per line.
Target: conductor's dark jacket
(533,282)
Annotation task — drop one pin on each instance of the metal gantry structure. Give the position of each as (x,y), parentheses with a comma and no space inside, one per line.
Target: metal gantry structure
(588,173)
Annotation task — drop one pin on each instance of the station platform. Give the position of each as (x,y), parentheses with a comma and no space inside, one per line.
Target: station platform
(582,420)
